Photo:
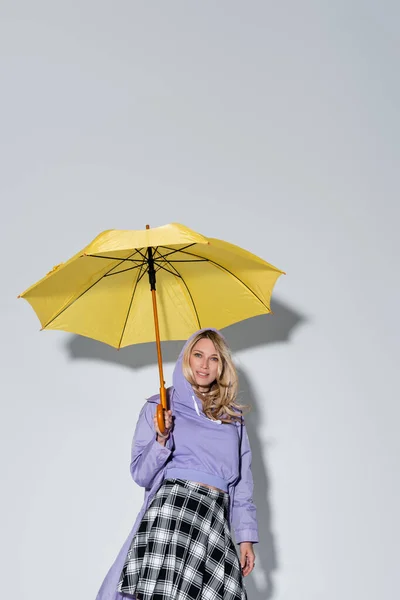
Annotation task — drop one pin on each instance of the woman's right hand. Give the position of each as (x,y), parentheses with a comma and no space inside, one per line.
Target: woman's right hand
(162,437)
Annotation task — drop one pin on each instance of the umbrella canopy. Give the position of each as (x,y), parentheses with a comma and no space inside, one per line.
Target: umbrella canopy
(103,291)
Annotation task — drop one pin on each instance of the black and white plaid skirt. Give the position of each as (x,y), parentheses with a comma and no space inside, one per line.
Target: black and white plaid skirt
(183,549)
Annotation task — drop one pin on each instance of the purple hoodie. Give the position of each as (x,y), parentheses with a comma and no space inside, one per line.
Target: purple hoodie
(204,450)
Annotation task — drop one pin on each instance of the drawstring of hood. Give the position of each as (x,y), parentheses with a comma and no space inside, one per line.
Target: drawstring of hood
(198,412)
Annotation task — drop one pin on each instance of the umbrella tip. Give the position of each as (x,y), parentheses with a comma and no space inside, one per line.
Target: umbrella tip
(19,296)
(147,226)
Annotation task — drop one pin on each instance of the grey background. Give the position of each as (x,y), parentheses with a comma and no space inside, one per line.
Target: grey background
(271,125)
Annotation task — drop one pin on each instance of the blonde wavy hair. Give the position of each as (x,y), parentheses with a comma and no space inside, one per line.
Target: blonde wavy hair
(221,401)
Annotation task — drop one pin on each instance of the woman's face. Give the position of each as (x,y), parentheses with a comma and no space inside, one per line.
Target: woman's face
(204,361)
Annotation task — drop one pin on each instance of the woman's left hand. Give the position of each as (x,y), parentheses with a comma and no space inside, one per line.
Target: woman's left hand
(247,558)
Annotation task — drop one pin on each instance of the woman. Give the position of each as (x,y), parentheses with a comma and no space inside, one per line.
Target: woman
(198,482)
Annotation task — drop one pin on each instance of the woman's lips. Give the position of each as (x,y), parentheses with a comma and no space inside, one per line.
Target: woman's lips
(202,374)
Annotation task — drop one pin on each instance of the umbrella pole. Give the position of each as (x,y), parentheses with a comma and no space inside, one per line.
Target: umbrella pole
(163,392)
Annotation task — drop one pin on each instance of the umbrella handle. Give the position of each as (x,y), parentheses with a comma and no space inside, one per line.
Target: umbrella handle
(160,419)
(160,409)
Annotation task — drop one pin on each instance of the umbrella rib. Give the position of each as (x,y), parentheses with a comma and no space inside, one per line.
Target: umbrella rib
(185,261)
(176,250)
(160,266)
(230,273)
(125,270)
(190,261)
(139,250)
(191,297)
(118,257)
(83,293)
(140,275)
(165,269)
(188,291)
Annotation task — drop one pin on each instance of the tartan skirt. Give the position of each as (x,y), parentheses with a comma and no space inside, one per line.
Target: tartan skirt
(183,549)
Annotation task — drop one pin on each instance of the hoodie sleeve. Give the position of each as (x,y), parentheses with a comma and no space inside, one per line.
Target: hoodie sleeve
(148,456)
(244,514)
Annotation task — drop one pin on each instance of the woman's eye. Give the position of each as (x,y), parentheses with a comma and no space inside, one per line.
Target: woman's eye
(197,354)
(215,358)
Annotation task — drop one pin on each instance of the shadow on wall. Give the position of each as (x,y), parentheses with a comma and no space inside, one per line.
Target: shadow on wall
(258,331)
(259,584)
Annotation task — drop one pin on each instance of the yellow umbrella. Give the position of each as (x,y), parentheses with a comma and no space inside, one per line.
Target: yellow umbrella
(103,291)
